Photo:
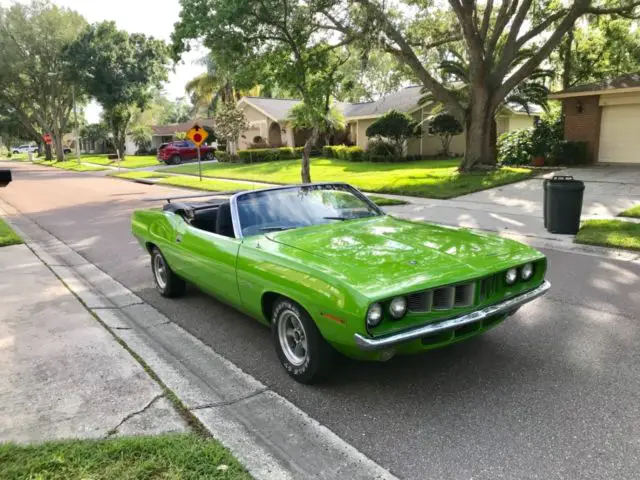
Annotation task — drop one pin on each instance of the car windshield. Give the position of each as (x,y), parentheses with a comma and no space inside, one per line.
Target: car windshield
(283,209)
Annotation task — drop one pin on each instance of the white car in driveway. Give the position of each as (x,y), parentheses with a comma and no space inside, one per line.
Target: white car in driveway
(24,149)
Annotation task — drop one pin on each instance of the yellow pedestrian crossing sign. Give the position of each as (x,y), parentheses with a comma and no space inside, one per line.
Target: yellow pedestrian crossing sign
(197,135)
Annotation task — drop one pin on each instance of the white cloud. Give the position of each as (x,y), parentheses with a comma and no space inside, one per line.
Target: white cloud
(151,17)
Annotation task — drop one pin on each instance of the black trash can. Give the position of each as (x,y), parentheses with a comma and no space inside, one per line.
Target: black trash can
(563,204)
(5,178)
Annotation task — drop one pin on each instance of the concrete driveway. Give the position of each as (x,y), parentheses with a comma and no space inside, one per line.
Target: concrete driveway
(517,208)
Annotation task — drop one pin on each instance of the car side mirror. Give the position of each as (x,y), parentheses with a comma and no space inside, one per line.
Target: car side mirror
(5,178)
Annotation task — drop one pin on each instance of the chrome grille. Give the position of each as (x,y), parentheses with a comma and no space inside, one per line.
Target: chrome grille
(464,295)
(420,302)
(445,298)
(489,286)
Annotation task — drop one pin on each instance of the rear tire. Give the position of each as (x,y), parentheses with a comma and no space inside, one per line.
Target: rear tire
(175,160)
(168,283)
(303,352)
(209,156)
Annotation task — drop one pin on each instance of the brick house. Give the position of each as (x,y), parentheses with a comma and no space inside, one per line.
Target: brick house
(605,115)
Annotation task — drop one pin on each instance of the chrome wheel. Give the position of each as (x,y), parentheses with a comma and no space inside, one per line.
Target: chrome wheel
(160,271)
(292,337)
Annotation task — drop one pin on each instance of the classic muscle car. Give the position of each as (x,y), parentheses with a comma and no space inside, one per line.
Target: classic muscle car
(328,271)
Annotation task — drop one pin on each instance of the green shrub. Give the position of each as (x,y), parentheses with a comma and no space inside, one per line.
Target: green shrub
(547,134)
(569,152)
(255,155)
(343,152)
(223,156)
(516,147)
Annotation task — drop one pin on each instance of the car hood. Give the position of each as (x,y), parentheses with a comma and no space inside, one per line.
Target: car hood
(384,255)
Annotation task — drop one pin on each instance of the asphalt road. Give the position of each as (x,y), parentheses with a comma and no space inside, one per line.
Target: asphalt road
(554,392)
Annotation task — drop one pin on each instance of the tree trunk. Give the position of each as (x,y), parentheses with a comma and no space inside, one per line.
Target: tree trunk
(567,60)
(480,152)
(305,171)
(57,143)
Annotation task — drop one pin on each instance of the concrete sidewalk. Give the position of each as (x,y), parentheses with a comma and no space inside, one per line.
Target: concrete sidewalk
(517,208)
(63,374)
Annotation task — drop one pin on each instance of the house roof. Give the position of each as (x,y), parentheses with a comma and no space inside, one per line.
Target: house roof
(167,130)
(405,100)
(275,108)
(628,81)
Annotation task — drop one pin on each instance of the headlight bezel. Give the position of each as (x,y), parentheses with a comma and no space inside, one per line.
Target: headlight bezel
(398,316)
(511,272)
(527,267)
(377,307)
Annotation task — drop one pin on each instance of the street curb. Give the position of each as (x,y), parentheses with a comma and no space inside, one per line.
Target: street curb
(269,435)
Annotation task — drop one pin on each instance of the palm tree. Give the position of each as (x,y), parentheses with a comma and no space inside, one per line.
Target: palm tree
(213,86)
(317,120)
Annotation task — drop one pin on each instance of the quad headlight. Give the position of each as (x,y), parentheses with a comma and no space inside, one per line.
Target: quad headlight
(374,315)
(511,276)
(526,272)
(398,307)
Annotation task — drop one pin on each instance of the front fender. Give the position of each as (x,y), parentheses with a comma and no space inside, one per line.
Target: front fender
(337,310)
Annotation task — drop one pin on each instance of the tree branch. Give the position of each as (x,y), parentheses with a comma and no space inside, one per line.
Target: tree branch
(486,20)
(406,53)
(623,11)
(543,52)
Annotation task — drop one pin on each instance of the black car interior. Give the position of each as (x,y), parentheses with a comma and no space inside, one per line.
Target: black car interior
(210,217)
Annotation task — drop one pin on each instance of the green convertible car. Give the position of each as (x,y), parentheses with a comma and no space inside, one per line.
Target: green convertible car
(329,271)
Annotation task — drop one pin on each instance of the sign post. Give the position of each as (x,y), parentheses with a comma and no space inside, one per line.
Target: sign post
(198,135)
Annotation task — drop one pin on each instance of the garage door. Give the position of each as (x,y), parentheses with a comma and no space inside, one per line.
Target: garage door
(620,134)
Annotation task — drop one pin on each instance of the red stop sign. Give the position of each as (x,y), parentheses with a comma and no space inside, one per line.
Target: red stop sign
(197,138)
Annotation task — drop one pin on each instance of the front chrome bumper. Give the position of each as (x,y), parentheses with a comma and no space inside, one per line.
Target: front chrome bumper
(367,343)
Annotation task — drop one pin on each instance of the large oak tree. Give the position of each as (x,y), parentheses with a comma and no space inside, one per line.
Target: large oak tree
(503,44)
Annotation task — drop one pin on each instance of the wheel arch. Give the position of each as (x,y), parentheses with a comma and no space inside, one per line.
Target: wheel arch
(269,299)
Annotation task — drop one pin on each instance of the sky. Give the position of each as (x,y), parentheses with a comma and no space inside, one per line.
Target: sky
(151,17)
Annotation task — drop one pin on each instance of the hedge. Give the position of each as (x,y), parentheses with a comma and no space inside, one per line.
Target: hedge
(343,152)
(254,155)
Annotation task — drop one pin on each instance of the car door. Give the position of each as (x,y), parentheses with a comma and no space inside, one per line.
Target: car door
(209,260)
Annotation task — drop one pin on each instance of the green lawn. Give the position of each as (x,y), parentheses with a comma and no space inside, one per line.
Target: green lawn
(17,157)
(8,236)
(171,457)
(426,178)
(208,184)
(138,175)
(610,233)
(71,165)
(631,212)
(130,161)
(221,185)
(386,202)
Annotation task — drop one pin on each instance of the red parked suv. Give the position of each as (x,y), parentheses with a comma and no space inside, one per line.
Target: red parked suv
(177,152)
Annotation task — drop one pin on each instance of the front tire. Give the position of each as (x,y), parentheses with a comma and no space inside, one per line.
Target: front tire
(168,283)
(176,160)
(303,352)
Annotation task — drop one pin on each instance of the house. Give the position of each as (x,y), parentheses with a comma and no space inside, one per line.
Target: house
(605,115)
(268,120)
(165,133)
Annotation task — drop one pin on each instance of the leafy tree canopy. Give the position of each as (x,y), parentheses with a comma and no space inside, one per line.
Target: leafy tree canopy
(395,126)
(34,82)
(445,126)
(120,70)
